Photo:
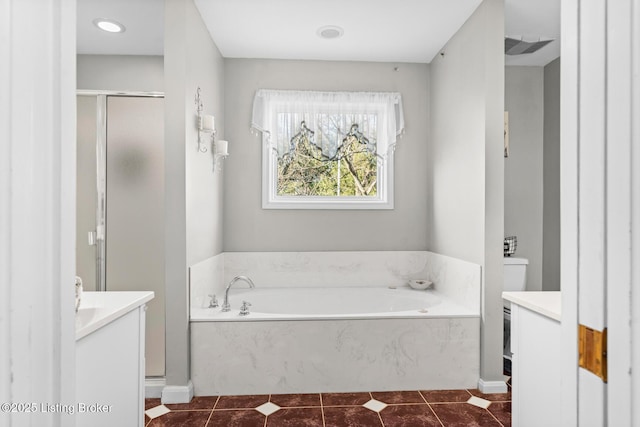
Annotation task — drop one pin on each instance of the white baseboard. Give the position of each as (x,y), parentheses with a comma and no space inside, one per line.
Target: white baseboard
(488,387)
(177,393)
(153,387)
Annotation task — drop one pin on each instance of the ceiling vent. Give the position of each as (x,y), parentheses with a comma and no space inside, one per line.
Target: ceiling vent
(518,46)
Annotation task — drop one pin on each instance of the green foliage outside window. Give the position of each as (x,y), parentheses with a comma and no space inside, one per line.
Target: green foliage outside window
(307,171)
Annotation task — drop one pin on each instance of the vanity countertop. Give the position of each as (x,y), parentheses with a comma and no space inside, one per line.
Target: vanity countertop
(548,304)
(98,309)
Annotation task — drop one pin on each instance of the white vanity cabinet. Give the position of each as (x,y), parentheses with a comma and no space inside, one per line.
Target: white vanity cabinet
(536,361)
(110,338)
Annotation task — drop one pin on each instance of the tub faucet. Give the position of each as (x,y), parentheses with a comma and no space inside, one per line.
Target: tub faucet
(226,306)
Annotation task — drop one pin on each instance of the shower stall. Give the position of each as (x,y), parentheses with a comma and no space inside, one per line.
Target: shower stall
(120,203)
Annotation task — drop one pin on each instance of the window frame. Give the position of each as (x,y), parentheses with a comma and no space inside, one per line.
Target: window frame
(271,200)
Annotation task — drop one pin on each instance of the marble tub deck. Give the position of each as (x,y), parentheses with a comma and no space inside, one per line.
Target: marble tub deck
(445,408)
(313,356)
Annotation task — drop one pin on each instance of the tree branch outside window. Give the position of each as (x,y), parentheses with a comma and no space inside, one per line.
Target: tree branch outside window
(308,171)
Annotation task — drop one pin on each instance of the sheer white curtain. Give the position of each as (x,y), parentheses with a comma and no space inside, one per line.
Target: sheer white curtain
(278,115)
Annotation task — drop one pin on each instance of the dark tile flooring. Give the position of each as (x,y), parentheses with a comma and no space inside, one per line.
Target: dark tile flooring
(445,408)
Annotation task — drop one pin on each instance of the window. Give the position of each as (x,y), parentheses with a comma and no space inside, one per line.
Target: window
(327,150)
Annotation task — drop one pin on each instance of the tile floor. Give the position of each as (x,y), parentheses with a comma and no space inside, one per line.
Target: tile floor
(446,408)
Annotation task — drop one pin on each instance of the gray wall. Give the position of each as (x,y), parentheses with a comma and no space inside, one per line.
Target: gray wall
(532,172)
(551,181)
(193,192)
(250,228)
(120,72)
(491,364)
(204,68)
(465,163)
(523,169)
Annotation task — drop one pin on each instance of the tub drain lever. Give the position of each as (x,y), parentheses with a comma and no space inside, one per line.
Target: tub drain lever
(244,309)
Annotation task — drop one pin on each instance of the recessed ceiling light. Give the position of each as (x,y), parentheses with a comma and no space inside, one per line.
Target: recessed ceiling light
(330,32)
(109,25)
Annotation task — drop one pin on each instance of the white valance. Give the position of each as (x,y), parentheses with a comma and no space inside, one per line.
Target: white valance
(330,115)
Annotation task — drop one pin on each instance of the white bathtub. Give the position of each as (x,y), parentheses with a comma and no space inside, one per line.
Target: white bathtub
(350,339)
(306,303)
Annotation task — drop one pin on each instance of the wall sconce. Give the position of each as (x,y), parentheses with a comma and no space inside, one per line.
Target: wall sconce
(205,123)
(220,151)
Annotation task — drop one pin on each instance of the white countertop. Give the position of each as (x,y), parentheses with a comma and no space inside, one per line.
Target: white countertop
(548,304)
(98,309)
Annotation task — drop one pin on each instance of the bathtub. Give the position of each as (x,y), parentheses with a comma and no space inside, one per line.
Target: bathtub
(337,339)
(333,303)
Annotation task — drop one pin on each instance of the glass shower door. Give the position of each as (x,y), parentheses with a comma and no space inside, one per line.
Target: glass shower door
(135,210)
(121,183)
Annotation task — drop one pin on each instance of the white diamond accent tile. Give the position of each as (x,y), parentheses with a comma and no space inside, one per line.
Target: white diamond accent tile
(157,411)
(375,405)
(479,402)
(268,408)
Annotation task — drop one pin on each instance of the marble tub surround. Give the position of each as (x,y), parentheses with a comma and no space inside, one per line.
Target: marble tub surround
(206,278)
(331,268)
(338,354)
(334,355)
(459,280)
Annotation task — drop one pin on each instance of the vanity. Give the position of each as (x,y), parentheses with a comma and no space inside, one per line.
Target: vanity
(110,341)
(536,361)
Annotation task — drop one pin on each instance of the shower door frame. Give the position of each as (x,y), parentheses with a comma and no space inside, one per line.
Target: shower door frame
(98,237)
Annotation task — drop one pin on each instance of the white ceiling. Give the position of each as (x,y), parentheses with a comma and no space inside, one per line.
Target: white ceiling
(374,30)
(143,19)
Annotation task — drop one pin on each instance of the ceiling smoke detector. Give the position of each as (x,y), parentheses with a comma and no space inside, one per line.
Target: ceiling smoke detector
(514,46)
(330,32)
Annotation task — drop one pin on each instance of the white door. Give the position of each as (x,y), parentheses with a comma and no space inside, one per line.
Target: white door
(37,208)
(599,56)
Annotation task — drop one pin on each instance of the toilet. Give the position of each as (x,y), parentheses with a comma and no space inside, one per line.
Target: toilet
(515,280)
(515,274)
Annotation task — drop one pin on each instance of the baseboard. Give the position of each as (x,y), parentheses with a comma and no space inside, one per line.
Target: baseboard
(177,393)
(153,387)
(488,387)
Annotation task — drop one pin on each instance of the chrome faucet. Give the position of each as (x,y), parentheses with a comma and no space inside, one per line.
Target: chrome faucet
(226,306)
